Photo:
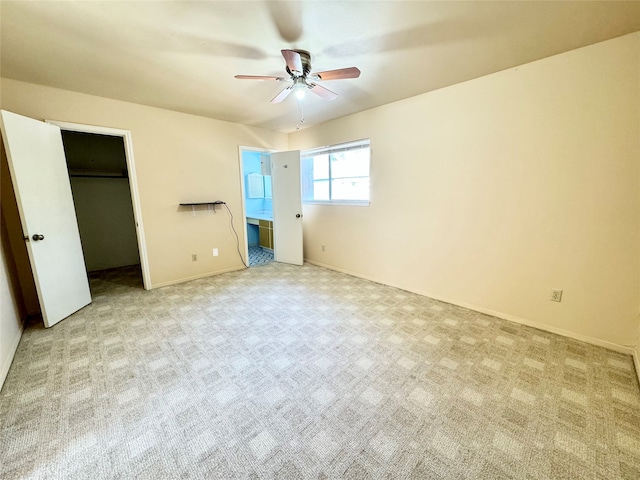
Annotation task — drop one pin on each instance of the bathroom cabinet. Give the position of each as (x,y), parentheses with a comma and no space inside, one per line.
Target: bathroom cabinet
(266,234)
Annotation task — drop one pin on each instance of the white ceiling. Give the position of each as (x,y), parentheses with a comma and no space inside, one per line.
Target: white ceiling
(183,55)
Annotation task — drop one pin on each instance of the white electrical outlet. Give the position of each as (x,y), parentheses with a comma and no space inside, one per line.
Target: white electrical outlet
(556,295)
(194,257)
(215,252)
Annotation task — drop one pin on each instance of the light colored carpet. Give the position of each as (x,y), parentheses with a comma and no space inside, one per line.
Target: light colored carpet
(300,372)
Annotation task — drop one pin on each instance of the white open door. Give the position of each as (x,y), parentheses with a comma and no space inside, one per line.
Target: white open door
(287,207)
(39,173)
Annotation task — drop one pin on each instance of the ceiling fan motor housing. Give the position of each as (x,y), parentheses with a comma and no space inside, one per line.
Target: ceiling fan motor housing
(305,58)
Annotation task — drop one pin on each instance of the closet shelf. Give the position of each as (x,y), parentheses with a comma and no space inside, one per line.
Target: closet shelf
(81,173)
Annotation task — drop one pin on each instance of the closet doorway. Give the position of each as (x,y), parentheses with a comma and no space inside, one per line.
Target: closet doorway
(104,190)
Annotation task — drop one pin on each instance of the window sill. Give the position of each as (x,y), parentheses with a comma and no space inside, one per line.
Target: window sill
(352,203)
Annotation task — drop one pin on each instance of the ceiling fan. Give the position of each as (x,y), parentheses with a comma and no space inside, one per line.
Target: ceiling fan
(299,70)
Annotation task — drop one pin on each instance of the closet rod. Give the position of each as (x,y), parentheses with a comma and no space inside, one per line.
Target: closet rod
(97,174)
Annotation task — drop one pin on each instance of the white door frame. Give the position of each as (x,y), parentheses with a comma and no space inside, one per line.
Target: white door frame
(133,184)
(241,149)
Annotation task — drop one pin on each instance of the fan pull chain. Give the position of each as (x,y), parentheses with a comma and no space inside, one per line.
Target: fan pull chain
(300,112)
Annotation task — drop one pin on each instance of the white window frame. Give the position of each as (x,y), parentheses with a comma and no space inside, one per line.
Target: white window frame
(341,147)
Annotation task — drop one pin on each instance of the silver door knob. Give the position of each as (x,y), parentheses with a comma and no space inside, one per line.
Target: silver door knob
(37,237)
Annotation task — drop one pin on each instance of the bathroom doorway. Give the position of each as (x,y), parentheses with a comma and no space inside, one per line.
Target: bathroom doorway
(258,206)
(272,204)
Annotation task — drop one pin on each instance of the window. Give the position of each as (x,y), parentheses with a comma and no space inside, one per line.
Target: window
(337,174)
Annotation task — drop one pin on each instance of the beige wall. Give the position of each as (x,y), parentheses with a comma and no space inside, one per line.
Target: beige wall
(10,315)
(636,353)
(12,240)
(493,192)
(106,222)
(178,158)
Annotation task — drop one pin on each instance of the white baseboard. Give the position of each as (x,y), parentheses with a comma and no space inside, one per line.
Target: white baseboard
(8,360)
(195,277)
(628,350)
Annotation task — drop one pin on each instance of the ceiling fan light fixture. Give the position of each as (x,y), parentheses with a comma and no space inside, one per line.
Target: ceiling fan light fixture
(300,87)
(301,91)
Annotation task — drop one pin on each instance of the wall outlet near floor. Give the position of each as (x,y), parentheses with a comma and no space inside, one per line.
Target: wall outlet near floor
(322,247)
(556,295)
(194,257)
(215,252)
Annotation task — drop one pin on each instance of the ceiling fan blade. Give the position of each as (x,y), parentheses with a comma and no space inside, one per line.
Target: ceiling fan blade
(339,74)
(322,92)
(282,95)
(294,62)
(259,77)
(287,17)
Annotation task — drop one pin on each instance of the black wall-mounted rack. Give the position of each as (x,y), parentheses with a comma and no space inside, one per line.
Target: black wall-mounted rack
(217,202)
(211,206)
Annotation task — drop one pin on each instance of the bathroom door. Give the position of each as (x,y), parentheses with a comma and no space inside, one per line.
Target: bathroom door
(287,207)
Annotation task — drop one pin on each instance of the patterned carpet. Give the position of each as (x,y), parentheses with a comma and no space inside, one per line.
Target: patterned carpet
(258,256)
(300,372)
